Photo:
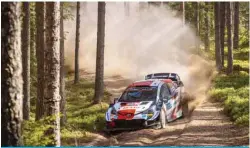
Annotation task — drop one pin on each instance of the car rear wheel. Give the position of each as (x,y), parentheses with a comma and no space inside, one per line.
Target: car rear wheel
(163,119)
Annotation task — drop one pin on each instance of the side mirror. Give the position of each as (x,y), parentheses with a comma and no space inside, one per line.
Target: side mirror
(181,83)
(115,100)
(111,105)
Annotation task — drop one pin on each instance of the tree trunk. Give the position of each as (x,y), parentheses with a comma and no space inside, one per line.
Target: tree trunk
(196,17)
(229,38)
(40,45)
(100,53)
(143,6)
(183,12)
(62,83)
(222,30)
(236,25)
(11,79)
(126,8)
(196,20)
(52,72)
(207,30)
(217,35)
(77,43)
(32,34)
(26,59)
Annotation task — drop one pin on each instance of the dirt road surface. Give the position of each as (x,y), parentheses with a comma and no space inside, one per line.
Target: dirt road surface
(207,125)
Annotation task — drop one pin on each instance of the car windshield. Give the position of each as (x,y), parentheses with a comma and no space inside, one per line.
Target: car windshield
(139,94)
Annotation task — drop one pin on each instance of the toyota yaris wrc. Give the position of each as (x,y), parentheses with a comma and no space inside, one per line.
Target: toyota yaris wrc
(144,104)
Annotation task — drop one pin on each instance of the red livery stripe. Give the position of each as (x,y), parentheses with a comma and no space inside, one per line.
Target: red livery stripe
(143,83)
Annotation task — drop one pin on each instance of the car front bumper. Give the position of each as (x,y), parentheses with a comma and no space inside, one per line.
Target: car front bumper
(116,125)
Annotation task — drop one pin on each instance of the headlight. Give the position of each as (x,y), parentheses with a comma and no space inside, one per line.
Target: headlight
(149,112)
(113,111)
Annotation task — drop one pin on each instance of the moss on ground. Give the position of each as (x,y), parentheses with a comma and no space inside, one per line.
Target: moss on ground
(83,117)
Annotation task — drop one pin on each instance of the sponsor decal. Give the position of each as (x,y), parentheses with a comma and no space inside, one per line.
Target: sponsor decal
(107,116)
(173,116)
(155,83)
(144,116)
(133,104)
(169,106)
(126,114)
(129,115)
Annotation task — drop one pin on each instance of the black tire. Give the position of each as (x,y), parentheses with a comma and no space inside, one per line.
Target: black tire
(185,109)
(162,119)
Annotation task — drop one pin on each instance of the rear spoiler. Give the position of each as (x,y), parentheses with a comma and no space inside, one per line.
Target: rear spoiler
(161,76)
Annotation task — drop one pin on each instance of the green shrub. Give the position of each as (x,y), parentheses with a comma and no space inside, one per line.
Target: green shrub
(233,90)
(83,116)
(237,108)
(34,132)
(243,120)
(220,95)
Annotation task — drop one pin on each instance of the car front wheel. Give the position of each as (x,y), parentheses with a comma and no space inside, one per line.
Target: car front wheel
(163,119)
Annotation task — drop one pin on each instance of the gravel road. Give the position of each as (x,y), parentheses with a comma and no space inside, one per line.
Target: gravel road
(207,125)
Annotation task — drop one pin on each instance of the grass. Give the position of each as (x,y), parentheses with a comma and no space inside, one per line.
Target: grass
(83,117)
(233,90)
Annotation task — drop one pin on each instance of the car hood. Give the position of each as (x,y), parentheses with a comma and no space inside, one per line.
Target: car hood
(133,107)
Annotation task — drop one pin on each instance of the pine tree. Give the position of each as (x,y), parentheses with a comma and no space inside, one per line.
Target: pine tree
(40,45)
(217,35)
(207,28)
(11,79)
(100,53)
(25,37)
(62,83)
(236,26)
(77,42)
(222,30)
(52,72)
(229,38)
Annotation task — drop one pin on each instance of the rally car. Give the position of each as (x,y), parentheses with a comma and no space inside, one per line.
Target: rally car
(145,103)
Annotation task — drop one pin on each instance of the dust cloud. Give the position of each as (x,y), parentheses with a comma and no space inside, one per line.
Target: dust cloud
(146,41)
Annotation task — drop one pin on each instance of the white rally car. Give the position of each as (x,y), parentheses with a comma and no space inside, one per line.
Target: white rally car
(146,103)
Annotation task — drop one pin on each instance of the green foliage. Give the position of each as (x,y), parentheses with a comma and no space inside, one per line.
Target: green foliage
(243,37)
(34,132)
(234,96)
(83,116)
(238,109)
(233,90)
(243,120)
(236,80)
(81,112)
(67,10)
(221,94)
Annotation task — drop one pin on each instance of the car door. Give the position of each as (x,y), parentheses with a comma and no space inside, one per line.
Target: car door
(168,101)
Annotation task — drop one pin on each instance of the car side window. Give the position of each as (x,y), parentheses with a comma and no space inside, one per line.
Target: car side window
(165,92)
(162,93)
(178,78)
